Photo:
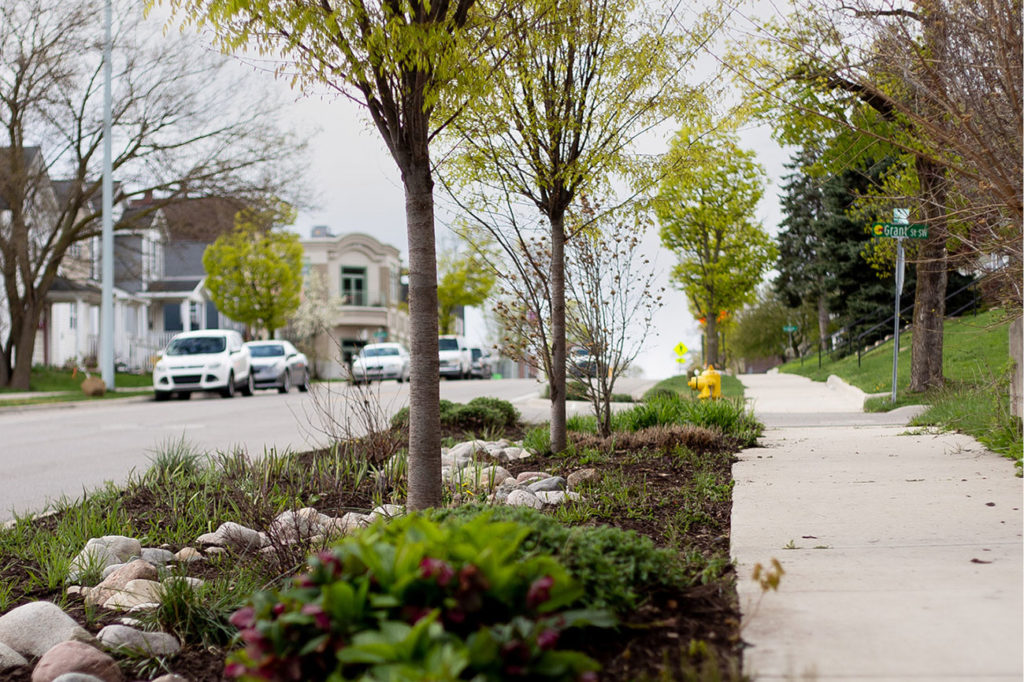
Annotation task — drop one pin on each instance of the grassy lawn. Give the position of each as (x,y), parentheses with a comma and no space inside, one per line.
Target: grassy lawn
(976,365)
(50,379)
(731,386)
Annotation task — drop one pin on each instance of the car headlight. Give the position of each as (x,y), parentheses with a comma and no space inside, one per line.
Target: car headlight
(160,366)
(213,365)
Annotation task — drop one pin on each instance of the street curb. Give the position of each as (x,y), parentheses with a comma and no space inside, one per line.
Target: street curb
(835,383)
(70,404)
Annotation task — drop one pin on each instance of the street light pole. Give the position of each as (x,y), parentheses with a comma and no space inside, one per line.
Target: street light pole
(107,300)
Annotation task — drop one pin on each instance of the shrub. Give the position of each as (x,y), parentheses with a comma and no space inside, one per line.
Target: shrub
(615,567)
(414,600)
(507,409)
(728,415)
(477,414)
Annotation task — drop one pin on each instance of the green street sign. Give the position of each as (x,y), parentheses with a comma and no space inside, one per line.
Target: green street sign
(790,328)
(915,231)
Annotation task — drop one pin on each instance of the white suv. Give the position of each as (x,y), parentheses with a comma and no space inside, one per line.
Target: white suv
(455,357)
(208,360)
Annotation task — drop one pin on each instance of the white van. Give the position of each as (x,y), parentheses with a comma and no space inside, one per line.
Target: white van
(455,357)
(207,360)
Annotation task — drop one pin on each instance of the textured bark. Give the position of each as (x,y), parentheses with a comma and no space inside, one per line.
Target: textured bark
(930,295)
(711,341)
(823,337)
(559,438)
(424,391)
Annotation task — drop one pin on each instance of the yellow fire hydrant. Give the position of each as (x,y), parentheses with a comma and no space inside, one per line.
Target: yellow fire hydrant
(709,383)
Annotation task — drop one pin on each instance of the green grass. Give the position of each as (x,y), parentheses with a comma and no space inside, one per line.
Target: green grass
(731,386)
(50,379)
(976,364)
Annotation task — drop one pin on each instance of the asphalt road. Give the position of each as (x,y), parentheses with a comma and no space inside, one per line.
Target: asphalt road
(48,452)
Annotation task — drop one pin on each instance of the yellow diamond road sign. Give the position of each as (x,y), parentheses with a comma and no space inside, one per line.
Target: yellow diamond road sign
(681,348)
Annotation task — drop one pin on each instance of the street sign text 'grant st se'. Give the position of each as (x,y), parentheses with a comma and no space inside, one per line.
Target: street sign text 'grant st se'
(915,231)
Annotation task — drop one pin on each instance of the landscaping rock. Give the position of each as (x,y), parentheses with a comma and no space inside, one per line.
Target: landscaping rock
(134,593)
(34,628)
(234,536)
(116,581)
(188,555)
(156,556)
(581,476)
(548,485)
(465,452)
(514,454)
(388,511)
(9,658)
(172,677)
(77,677)
(557,497)
(121,637)
(528,476)
(349,522)
(76,657)
(523,498)
(108,570)
(292,526)
(103,552)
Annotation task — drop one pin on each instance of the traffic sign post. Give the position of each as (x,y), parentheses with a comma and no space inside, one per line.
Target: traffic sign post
(681,351)
(899,229)
(789,329)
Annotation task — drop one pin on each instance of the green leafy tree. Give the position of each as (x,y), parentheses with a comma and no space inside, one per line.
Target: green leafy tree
(403,60)
(706,211)
(758,331)
(463,280)
(574,83)
(254,273)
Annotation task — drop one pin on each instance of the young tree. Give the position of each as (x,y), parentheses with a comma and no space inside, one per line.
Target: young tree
(254,273)
(571,90)
(463,280)
(706,211)
(170,134)
(611,300)
(400,59)
(760,327)
(313,316)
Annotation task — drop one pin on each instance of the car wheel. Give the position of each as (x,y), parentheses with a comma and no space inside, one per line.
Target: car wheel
(161,396)
(229,390)
(250,385)
(304,386)
(286,383)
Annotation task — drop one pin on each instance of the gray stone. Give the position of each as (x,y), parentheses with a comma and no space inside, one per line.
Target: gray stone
(557,496)
(122,637)
(528,476)
(78,677)
(347,523)
(110,569)
(9,658)
(388,511)
(172,677)
(157,556)
(119,579)
(581,476)
(235,536)
(103,552)
(76,657)
(524,498)
(34,628)
(514,454)
(466,451)
(548,484)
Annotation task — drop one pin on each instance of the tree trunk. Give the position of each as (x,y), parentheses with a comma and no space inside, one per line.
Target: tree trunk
(424,391)
(930,296)
(24,345)
(559,439)
(711,340)
(823,316)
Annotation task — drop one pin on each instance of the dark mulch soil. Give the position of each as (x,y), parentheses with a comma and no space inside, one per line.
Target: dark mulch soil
(669,637)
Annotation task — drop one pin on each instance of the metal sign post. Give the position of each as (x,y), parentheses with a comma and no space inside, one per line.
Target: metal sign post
(900,217)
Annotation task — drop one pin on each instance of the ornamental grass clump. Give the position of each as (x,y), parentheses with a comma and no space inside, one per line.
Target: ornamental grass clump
(415,600)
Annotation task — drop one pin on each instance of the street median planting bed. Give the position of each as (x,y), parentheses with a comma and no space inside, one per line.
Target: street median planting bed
(301,565)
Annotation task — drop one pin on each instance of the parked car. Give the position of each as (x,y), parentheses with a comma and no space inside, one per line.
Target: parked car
(455,357)
(278,364)
(481,367)
(582,363)
(212,360)
(379,361)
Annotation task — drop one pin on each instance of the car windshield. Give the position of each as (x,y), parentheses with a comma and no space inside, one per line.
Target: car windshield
(379,352)
(266,351)
(447,344)
(477,353)
(197,345)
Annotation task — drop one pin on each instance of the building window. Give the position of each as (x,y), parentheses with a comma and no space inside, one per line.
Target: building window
(73,316)
(353,285)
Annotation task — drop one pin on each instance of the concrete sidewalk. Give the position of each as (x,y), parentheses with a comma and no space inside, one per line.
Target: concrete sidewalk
(903,553)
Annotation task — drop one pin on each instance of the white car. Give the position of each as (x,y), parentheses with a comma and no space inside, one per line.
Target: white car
(379,361)
(482,367)
(455,357)
(278,364)
(212,360)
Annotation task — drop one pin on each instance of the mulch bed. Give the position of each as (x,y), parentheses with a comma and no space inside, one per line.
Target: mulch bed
(669,637)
